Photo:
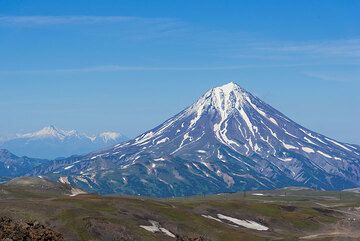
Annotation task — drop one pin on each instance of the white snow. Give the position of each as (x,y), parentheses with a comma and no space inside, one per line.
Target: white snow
(221,134)
(122,156)
(155,227)
(76,191)
(244,223)
(94,157)
(247,120)
(163,140)
(288,133)
(287,159)
(338,144)
(109,136)
(220,156)
(68,167)
(210,217)
(238,222)
(271,131)
(308,140)
(84,180)
(273,120)
(224,100)
(160,159)
(288,146)
(229,180)
(312,136)
(324,154)
(268,142)
(185,137)
(199,112)
(167,232)
(257,148)
(125,166)
(50,131)
(124,180)
(64,180)
(191,140)
(257,194)
(59,134)
(144,138)
(236,158)
(261,112)
(308,150)
(207,165)
(352,147)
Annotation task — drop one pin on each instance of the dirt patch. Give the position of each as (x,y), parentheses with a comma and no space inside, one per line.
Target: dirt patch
(105,230)
(325,211)
(288,208)
(26,230)
(186,238)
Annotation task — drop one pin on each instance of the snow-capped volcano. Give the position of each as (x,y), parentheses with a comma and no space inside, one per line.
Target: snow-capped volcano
(51,142)
(50,132)
(228,140)
(109,136)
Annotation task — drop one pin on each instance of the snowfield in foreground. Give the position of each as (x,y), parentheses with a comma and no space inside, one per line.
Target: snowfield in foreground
(238,222)
(155,227)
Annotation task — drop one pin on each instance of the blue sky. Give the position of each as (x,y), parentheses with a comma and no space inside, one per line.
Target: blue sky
(129,65)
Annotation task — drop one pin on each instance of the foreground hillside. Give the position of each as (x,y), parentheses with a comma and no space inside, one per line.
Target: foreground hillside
(287,214)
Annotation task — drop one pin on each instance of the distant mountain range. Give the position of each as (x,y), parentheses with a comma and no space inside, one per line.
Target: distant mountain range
(14,166)
(228,140)
(51,142)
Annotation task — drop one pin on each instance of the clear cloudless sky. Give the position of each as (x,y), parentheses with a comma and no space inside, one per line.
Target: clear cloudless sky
(129,65)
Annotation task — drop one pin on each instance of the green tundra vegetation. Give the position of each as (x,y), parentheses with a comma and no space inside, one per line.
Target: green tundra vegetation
(287,214)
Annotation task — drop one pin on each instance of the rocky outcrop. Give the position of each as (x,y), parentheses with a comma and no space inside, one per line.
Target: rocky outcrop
(11,230)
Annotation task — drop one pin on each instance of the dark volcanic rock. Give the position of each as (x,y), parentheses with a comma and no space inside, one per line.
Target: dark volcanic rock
(186,238)
(29,231)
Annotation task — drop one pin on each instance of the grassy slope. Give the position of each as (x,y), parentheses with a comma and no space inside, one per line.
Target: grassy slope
(91,217)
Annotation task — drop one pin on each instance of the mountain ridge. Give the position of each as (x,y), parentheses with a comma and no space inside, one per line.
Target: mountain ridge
(227,140)
(51,142)
(12,165)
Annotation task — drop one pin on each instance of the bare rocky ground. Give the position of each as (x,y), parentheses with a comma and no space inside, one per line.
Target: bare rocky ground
(20,230)
(345,229)
(11,230)
(186,238)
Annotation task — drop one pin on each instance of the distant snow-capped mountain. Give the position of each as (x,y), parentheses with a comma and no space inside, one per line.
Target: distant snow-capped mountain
(51,142)
(228,140)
